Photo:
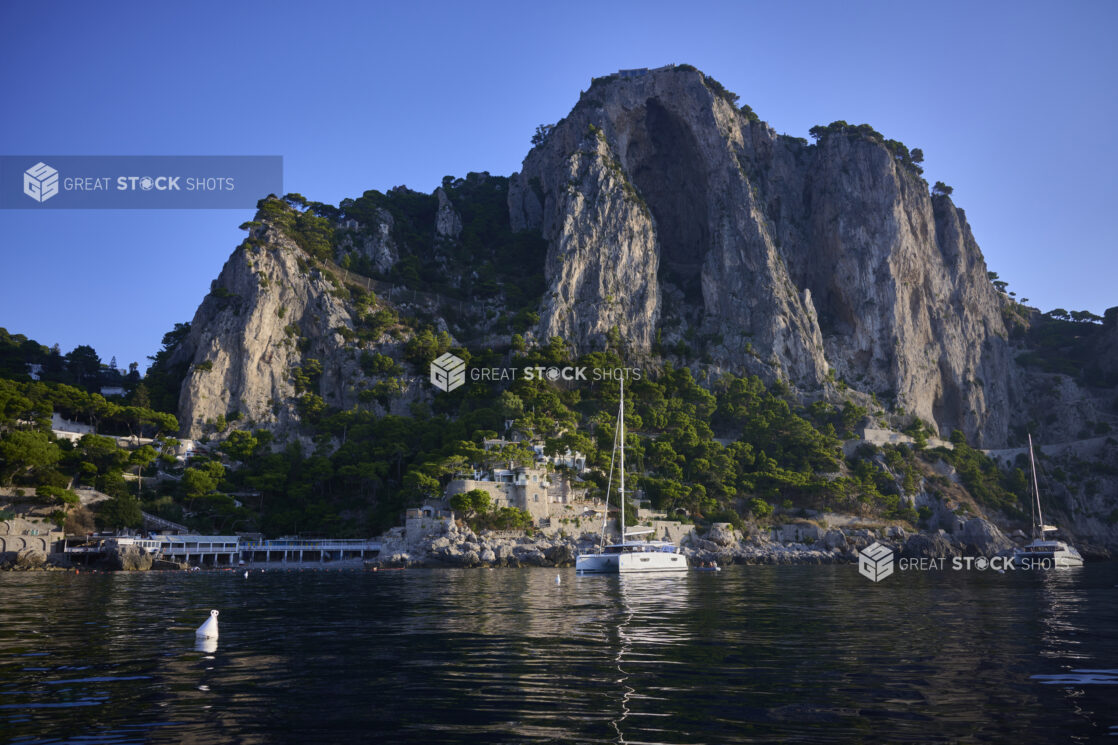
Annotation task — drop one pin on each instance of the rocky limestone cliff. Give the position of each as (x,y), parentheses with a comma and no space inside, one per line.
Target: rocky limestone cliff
(602,260)
(448,223)
(267,314)
(375,241)
(786,259)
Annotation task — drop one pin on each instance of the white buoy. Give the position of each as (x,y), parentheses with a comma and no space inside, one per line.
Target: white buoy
(557,580)
(246,574)
(208,630)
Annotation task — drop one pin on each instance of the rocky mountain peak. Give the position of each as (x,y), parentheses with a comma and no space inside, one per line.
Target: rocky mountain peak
(660,212)
(813,263)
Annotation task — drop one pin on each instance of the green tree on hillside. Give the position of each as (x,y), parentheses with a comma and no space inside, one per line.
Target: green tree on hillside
(543,131)
(474,501)
(23,453)
(119,512)
(84,365)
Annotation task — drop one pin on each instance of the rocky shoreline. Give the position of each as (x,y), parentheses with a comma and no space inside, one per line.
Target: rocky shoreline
(721,545)
(128,559)
(31,559)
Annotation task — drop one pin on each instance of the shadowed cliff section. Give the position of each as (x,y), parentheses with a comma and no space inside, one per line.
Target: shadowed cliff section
(665,160)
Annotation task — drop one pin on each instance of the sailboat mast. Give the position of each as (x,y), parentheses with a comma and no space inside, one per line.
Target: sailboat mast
(621,491)
(609,487)
(1038,517)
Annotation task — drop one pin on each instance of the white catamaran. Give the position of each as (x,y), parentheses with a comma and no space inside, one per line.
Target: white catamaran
(628,555)
(1042,552)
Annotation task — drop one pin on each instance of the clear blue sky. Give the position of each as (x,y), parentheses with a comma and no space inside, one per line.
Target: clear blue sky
(1013,103)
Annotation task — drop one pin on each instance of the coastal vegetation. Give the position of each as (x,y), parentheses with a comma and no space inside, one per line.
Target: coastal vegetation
(34,460)
(732,447)
(729,450)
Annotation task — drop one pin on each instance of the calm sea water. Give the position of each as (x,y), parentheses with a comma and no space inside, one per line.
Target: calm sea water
(751,654)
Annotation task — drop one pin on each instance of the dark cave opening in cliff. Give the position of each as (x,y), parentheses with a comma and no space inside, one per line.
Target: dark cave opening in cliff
(664,160)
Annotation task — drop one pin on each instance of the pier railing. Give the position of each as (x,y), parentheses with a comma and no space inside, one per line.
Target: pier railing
(231,546)
(302,544)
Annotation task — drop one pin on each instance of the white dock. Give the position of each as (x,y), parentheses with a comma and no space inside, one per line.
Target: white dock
(214,550)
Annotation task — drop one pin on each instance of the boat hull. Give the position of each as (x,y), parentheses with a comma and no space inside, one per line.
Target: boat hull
(1044,560)
(598,563)
(631,563)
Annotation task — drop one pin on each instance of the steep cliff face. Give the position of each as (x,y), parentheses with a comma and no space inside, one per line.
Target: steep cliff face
(901,289)
(602,259)
(268,315)
(240,352)
(776,257)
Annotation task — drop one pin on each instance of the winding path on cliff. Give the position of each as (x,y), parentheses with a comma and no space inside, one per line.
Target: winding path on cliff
(1079,448)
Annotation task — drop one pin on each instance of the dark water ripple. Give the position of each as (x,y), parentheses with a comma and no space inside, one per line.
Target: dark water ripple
(752,654)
